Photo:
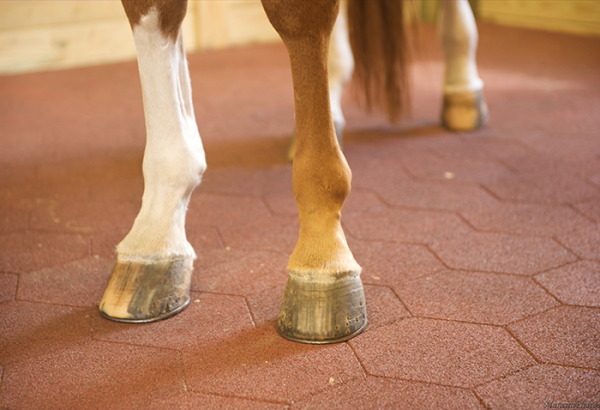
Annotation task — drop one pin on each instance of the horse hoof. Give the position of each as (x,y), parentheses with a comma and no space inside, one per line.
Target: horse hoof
(339,130)
(319,309)
(147,292)
(466,111)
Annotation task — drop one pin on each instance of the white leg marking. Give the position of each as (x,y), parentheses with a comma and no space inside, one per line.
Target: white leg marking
(341,64)
(174,157)
(458,34)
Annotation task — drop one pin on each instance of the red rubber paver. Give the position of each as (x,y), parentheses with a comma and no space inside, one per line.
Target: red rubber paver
(566,335)
(576,284)
(8,286)
(492,252)
(440,352)
(381,393)
(585,242)
(538,385)
(78,283)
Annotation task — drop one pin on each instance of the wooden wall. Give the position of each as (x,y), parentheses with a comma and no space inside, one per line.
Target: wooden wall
(52,34)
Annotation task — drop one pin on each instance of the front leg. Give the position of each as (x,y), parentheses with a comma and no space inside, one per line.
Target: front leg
(151,278)
(323,301)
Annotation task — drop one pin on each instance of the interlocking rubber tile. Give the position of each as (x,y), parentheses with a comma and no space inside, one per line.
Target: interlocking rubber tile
(250,181)
(526,219)
(488,148)
(273,233)
(26,252)
(566,335)
(192,401)
(358,201)
(473,297)
(387,263)
(381,393)
(262,365)
(493,252)
(462,169)
(368,168)
(590,208)
(558,189)
(220,209)
(85,218)
(247,272)
(104,244)
(208,319)
(538,385)
(12,219)
(405,225)
(434,195)
(78,283)
(92,375)
(8,286)
(576,284)
(441,352)
(203,238)
(31,329)
(383,306)
(585,242)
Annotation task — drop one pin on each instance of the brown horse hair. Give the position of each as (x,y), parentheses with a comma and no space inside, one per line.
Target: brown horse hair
(378,41)
(171,13)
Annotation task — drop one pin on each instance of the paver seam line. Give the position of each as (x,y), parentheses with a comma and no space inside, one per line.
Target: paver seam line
(580,258)
(509,374)
(185,388)
(587,179)
(136,345)
(232,396)
(480,400)
(399,298)
(89,307)
(427,383)
(521,343)
(249,312)
(501,326)
(360,363)
(224,294)
(574,208)
(269,209)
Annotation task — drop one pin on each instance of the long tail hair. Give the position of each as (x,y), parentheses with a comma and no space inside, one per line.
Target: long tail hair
(378,41)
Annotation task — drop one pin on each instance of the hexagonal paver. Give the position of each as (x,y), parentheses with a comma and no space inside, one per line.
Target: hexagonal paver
(434,195)
(493,252)
(462,169)
(243,273)
(541,385)
(190,400)
(12,219)
(92,375)
(576,284)
(387,263)
(272,233)
(441,352)
(590,208)
(26,252)
(566,335)
(32,329)
(83,217)
(208,209)
(557,188)
(488,148)
(474,297)
(251,181)
(585,242)
(404,225)
(381,393)
(207,320)
(526,219)
(78,283)
(262,365)
(8,286)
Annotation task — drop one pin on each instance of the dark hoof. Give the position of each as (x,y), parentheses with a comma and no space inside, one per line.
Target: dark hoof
(319,309)
(141,293)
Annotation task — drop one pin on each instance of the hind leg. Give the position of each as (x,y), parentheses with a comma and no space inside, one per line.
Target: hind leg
(464,107)
(341,66)
(151,278)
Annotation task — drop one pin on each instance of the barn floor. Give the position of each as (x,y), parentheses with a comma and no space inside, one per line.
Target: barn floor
(481,251)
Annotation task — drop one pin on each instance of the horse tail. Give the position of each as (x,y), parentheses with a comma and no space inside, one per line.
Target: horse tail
(378,41)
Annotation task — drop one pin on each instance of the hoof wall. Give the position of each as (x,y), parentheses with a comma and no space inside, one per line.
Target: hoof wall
(142,293)
(465,111)
(321,310)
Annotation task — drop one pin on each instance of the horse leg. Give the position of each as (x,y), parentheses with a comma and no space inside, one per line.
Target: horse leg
(151,278)
(464,107)
(323,301)
(341,66)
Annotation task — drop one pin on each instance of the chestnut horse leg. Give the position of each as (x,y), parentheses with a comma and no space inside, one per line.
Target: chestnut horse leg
(151,278)
(323,301)
(464,106)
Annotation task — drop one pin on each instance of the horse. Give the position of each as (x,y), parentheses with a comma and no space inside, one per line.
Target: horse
(323,301)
